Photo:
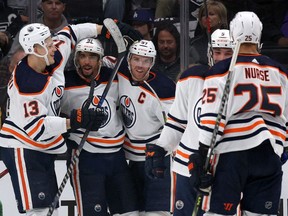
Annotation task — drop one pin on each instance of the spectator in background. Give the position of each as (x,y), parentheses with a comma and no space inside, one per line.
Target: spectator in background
(5,43)
(142,19)
(217,18)
(52,17)
(167,44)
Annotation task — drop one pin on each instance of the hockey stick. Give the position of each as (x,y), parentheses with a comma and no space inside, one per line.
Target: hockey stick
(3,173)
(224,98)
(118,39)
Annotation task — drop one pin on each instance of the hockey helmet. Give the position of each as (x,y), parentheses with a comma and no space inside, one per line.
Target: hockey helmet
(246,27)
(143,48)
(89,45)
(221,39)
(31,34)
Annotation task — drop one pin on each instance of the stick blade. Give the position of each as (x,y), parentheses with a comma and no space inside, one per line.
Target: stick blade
(116,34)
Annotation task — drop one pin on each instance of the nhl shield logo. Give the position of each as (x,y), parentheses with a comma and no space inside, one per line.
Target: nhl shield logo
(268,204)
(179,204)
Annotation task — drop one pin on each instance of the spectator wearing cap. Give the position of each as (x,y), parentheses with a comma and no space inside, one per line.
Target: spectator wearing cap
(142,19)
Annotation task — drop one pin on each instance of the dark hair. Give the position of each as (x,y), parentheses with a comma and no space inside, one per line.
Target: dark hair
(169,27)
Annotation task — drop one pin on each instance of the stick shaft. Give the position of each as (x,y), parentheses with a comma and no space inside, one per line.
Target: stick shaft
(3,173)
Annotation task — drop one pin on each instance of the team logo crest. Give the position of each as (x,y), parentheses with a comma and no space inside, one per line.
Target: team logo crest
(128,111)
(56,97)
(197,112)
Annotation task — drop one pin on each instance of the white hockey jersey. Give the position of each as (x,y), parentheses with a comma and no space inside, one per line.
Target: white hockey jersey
(256,109)
(141,110)
(110,136)
(34,99)
(182,127)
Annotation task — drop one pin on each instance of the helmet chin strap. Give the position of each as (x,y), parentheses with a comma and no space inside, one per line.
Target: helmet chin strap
(45,56)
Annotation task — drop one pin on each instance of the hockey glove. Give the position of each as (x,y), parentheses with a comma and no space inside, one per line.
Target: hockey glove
(87,118)
(154,163)
(125,29)
(284,156)
(200,180)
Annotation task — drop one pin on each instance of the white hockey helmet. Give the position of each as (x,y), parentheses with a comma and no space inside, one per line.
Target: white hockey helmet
(246,27)
(31,34)
(221,39)
(143,48)
(89,45)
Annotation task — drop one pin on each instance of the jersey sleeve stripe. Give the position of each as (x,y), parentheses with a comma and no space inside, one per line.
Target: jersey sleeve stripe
(176,119)
(142,148)
(37,126)
(105,140)
(26,140)
(26,127)
(184,155)
(175,127)
(211,122)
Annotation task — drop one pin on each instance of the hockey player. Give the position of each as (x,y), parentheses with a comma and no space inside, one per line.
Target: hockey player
(31,134)
(246,164)
(145,98)
(101,177)
(181,130)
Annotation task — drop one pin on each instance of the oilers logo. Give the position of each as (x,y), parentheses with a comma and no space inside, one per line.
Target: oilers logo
(56,97)
(107,109)
(197,112)
(128,111)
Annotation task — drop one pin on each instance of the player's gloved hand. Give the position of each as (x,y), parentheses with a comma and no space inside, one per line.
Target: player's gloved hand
(87,118)
(199,180)
(125,29)
(99,119)
(154,163)
(284,156)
